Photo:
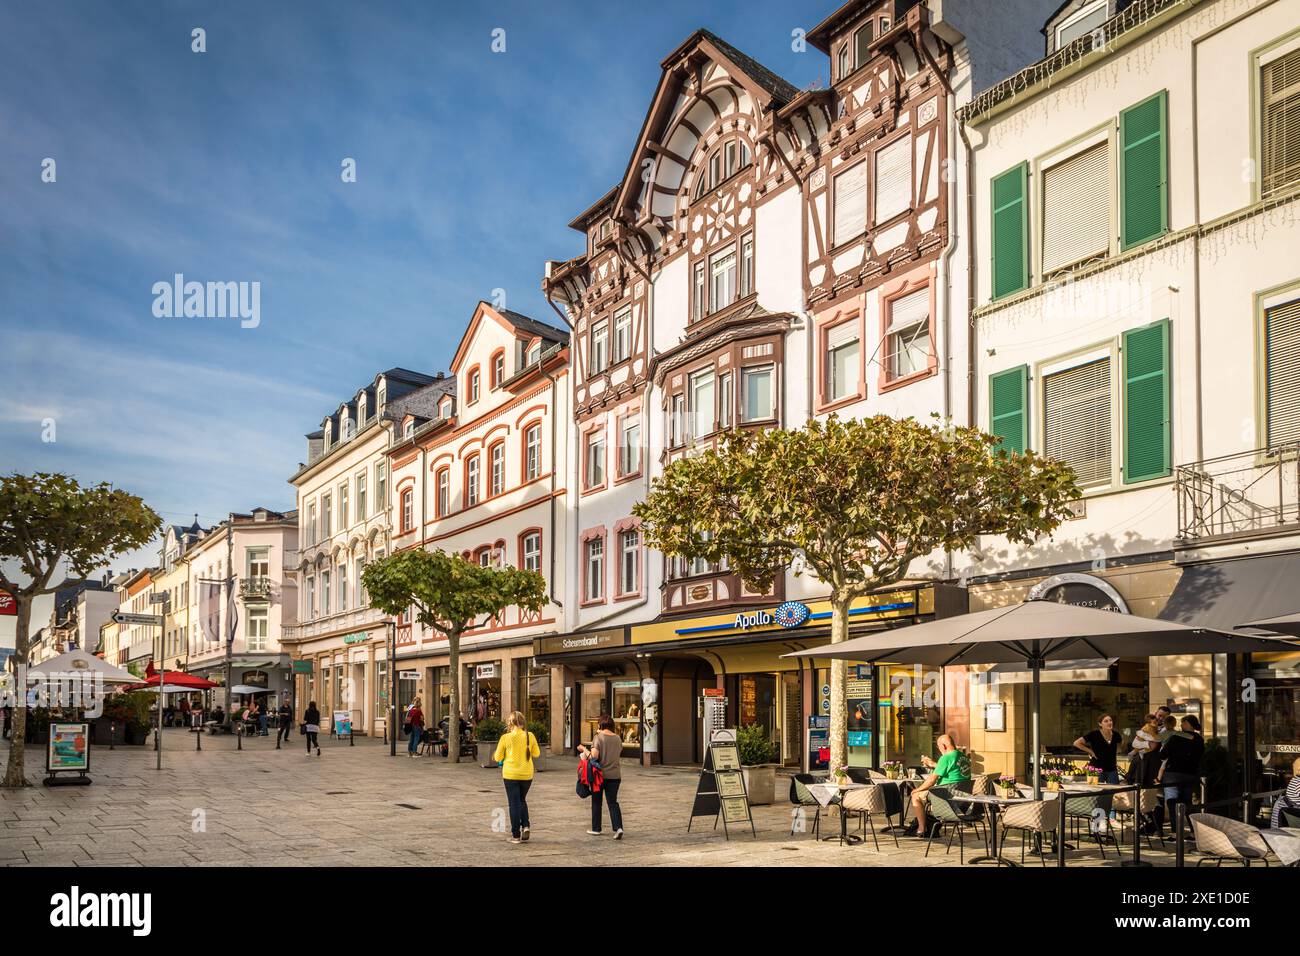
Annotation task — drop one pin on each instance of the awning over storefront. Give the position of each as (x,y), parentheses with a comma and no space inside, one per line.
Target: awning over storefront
(1226,594)
(1097,668)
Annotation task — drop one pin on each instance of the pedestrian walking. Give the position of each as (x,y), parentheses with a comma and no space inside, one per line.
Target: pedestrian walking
(415,725)
(606,749)
(515,752)
(311,718)
(286,721)
(9,720)
(261,721)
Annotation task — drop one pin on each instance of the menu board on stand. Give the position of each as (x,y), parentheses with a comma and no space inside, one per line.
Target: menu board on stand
(721,787)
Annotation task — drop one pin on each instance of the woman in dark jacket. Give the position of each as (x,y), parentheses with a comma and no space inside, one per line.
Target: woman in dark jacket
(1180,770)
(311,717)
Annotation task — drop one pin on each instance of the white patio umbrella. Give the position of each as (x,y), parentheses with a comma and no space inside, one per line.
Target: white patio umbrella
(76,662)
(1032,634)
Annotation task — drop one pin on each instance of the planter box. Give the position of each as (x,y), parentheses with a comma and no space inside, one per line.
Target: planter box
(760,784)
(484,751)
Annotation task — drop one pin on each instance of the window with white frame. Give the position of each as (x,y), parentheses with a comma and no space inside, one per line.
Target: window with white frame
(1076,208)
(1082,22)
(843,351)
(311,523)
(746,264)
(473,386)
(595,458)
(703,565)
(444,492)
(842,68)
(893,179)
(700,293)
(471,481)
(408,510)
(381,487)
(534,353)
(756,382)
(363,596)
(862,43)
(311,597)
(343,585)
(623,334)
(850,213)
(701,392)
(258,562)
(343,506)
(498,370)
(327,515)
(444,408)
(255,626)
(722,290)
(325,605)
(1077,419)
(1280,124)
(629,449)
(599,347)
(676,420)
(726,400)
(361,496)
(532,452)
(595,569)
(629,561)
(532,551)
(498,466)
(409,428)
(907,334)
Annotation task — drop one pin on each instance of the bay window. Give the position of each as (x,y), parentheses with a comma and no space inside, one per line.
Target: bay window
(756,384)
(702,403)
(722,291)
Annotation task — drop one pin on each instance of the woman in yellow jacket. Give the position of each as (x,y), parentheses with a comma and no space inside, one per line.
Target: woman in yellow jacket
(515,752)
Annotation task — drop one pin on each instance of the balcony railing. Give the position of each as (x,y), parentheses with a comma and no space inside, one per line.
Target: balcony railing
(256,587)
(352,620)
(1244,495)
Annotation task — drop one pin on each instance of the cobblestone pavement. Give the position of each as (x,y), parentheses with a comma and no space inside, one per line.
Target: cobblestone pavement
(356,805)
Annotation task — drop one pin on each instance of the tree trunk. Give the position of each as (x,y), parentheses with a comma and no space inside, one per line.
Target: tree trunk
(14,773)
(839,707)
(453,700)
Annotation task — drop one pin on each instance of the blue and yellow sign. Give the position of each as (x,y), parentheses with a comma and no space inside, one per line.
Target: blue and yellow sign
(791,615)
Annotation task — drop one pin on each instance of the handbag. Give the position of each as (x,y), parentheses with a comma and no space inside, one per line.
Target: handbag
(302,730)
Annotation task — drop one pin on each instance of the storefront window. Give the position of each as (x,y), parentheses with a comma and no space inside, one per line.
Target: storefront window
(484,690)
(440,704)
(533,692)
(909,713)
(407,682)
(626,696)
(593,702)
(381,689)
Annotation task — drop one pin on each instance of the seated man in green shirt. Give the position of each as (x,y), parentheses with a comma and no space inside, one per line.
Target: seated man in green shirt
(952,767)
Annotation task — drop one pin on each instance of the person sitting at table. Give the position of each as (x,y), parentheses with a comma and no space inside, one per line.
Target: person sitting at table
(952,767)
(1102,745)
(1290,800)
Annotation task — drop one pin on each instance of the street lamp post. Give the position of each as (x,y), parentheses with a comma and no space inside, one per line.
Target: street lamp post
(164,600)
(392,687)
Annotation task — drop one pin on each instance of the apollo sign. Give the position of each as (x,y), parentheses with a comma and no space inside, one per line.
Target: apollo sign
(789,614)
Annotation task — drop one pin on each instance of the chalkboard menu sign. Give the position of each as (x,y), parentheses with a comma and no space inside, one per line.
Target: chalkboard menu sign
(720,792)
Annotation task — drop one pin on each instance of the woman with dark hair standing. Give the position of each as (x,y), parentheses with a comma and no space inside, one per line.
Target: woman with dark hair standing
(311,718)
(1180,772)
(1102,745)
(606,749)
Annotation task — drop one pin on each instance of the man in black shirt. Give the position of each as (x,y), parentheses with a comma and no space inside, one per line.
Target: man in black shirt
(1180,770)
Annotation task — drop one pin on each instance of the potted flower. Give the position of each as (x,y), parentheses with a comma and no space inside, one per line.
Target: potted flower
(1053,777)
(1006,783)
(840,775)
(1092,774)
(757,763)
(543,735)
(486,733)
(893,769)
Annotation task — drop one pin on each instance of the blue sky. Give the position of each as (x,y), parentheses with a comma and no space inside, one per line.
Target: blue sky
(225,166)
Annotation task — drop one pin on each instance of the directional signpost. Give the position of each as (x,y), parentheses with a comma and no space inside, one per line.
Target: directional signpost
(119,618)
(156,620)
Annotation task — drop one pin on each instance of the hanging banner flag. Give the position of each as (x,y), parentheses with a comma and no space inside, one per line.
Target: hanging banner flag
(8,606)
(210,612)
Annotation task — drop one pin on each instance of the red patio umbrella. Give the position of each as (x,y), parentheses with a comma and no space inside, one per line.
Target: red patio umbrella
(174,679)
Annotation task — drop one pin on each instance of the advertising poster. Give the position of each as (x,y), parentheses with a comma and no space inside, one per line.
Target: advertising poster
(343,723)
(69,747)
(650,710)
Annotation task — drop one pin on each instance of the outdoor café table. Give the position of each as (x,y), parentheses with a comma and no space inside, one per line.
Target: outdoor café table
(896,798)
(828,794)
(1285,842)
(993,803)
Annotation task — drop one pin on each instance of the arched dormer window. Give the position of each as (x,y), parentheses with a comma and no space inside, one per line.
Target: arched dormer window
(444,408)
(361,408)
(329,433)
(727,159)
(381,397)
(409,430)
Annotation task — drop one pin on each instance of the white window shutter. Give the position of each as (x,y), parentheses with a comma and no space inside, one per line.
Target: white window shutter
(908,310)
(1282,327)
(894,179)
(1077,420)
(850,204)
(1076,208)
(842,334)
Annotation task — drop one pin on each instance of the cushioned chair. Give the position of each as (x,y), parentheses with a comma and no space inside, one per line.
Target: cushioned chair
(859,774)
(1146,806)
(877,775)
(801,796)
(982,783)
(864,803)
(939,808)
(1038,817)
(1221,838)
(1090,809)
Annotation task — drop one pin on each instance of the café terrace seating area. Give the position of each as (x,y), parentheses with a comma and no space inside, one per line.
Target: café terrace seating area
(993,819)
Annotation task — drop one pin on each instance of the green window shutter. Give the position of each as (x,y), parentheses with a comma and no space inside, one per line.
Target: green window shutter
(1008,407)
(1010,232)
(1146,403)
(1144,176)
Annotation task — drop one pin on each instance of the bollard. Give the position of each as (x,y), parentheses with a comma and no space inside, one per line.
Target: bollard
(155,740)
(352,740)
(112,734)
(278,735)
(198,740)
(1060,830)
(1137,830)
(1178,841)
(239,739)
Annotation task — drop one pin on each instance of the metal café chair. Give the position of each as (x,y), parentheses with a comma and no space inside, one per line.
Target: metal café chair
(801,796)
(865,802)
(1221,838)
(1039,817)
(938,807)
